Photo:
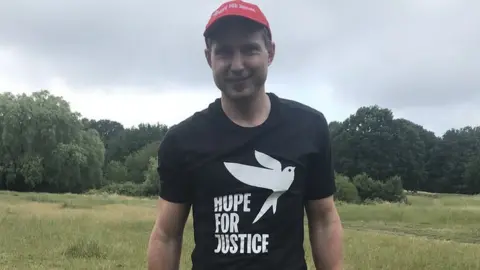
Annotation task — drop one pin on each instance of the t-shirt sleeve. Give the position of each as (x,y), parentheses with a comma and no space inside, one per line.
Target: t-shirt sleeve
(174,186)
(321,173)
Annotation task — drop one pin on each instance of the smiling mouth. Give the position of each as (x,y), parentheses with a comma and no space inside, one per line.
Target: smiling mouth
(240,80)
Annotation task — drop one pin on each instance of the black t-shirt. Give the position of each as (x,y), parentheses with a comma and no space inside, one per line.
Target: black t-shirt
(248,186)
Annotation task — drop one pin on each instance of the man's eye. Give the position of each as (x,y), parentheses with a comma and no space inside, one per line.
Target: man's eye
(250,50)
(221,52)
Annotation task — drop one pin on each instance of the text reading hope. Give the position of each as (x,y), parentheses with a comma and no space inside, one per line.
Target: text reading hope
(230,239)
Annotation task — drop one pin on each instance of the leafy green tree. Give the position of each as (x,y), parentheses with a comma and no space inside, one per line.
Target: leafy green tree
(116,172)
(372,142)
(44,146)
(450,158)
(137,162)
(472,175)
(133,139)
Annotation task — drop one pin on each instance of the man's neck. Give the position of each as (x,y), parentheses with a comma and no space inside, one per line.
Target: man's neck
(249,112)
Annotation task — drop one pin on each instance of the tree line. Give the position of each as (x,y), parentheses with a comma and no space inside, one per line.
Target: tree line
(47,147)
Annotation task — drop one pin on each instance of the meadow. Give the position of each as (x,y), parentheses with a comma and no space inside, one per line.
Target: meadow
(48,231)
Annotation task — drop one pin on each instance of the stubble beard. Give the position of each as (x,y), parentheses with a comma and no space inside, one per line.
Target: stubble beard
(242,94)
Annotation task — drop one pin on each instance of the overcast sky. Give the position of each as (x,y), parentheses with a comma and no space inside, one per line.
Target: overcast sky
(142,61)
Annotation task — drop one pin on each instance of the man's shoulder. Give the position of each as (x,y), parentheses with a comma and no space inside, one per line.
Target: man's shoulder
(186,125)
(299,110)
(311,121)
(182,133)
(191,125)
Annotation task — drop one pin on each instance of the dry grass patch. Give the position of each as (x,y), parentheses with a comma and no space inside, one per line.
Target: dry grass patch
(43,231)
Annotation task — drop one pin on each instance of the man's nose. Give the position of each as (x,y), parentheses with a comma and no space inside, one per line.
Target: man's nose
(237,65)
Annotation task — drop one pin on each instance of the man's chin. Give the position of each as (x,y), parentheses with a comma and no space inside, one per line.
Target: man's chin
(239,93)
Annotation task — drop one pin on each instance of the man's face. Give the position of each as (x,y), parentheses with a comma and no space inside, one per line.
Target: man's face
(239,59)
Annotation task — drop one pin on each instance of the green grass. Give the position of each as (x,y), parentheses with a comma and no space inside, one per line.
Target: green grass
(48,231)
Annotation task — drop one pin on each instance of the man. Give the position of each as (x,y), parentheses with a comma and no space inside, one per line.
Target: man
(249,165)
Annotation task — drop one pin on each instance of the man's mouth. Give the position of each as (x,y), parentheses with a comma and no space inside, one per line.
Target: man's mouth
(238,80)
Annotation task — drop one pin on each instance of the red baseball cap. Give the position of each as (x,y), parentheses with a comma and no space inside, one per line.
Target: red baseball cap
(240,9)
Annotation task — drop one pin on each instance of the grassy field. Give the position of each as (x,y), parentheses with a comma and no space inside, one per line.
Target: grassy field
(46,231)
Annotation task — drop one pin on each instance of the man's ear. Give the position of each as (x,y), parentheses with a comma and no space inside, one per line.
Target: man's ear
(271,53)
(207,56)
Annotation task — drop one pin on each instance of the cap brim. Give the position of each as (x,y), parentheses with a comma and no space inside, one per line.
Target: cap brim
(224,22)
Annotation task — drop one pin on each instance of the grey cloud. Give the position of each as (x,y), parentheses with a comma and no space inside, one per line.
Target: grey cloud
(395,53)
(407,54)
(109,42)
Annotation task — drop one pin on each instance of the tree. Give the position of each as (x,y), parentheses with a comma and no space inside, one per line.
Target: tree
(44,145)
(372,142)
(137,162)
(450,159)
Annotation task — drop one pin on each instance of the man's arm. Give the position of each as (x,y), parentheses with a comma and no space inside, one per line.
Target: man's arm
(325,228)
(326,234)
(165,244)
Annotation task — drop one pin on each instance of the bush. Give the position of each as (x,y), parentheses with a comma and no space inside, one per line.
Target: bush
(374,190)
(393,190)
(346,190)
(127,189)
(367,187)
(152,180)
(149,187)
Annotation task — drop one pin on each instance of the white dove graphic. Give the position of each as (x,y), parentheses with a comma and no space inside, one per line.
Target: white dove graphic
(273,178)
